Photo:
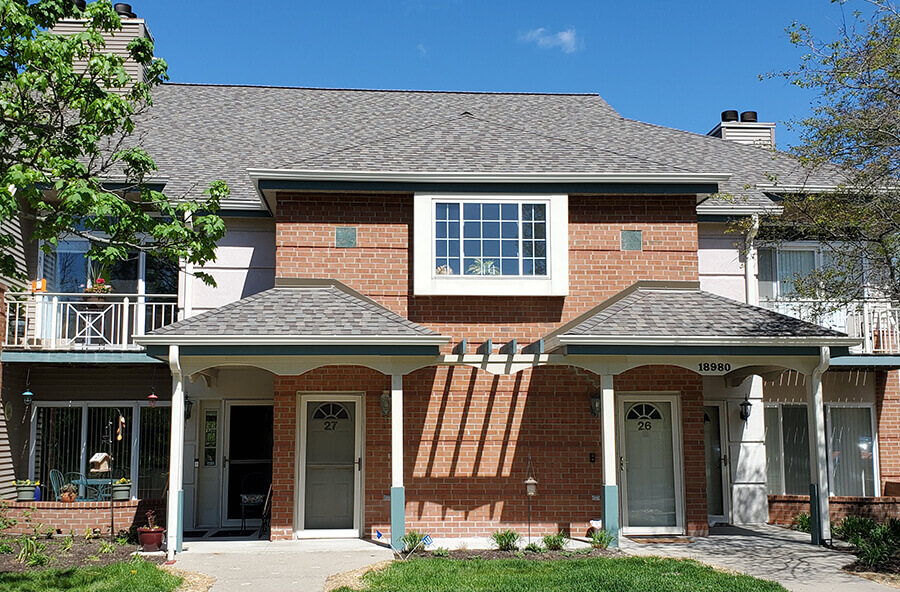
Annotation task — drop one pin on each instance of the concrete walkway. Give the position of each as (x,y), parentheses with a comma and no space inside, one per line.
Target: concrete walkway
(248,566)
(767,552)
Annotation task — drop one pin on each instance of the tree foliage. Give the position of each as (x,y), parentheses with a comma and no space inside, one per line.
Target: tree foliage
(852,136)
(70,161)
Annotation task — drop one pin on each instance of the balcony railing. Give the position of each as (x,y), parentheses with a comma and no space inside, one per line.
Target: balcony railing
(877,323)
(58,321)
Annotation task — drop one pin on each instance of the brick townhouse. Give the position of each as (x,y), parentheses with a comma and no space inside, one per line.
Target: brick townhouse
(427,298)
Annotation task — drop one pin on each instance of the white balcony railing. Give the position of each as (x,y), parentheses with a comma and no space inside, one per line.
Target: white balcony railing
(58,321)
(876,322)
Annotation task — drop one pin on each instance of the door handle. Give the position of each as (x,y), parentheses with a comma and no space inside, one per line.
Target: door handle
(359,464)
(724,460)
(622,463)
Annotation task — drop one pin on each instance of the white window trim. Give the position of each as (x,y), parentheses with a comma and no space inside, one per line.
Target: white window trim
(555,283)
(876,460)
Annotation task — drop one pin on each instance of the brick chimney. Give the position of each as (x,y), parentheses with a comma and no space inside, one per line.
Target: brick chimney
(746,130)
(117,42)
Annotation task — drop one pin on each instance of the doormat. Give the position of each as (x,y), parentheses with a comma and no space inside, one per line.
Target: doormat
(645,540)
(195,534)
(234,533)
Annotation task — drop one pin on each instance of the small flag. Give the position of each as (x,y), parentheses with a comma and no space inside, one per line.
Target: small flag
(427,540)
(378,534)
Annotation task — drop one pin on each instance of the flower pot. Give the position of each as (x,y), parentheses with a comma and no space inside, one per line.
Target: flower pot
(68,496)
(25,493)
(121,492)
(151,539)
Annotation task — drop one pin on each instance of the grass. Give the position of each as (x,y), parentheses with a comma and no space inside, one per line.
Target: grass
(631,574)
(131,576)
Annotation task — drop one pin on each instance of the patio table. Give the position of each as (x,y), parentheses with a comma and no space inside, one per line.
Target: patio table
(95,485)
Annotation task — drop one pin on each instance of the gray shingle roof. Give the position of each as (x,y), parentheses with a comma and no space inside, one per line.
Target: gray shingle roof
(681,309)
(200,133)
(320,308)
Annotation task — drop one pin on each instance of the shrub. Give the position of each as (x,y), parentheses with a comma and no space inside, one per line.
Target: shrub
(412,540)
(876,548)
(601,538)
(801,522)
(556,542)
(506,540)
(853,526)
(533,548)
(441,552)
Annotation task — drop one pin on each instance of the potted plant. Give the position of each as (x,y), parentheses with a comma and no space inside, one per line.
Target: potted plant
(68,493)
(25,490)
(97,288)
(121,490)
(151,536)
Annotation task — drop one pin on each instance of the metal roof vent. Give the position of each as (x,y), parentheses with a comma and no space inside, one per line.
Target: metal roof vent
(730,115)
(124,10)
(748,117)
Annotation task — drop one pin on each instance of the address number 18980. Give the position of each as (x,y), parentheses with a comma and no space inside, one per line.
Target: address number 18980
(714,367)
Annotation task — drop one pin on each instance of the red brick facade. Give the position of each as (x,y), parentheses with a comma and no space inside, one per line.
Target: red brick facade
(783,508)
(81,517)
(468,436)
(887,409)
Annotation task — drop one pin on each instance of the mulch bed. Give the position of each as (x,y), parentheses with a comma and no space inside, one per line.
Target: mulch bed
(82,554)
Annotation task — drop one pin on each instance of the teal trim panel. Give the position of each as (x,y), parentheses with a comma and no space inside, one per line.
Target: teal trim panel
(77,357)
(398,516)
(611,512)
(882,362)
(532,188)
(690,350)
(179,544)
(815,523)
(297,350)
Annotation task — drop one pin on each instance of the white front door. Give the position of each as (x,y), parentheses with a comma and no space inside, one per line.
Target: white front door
(717,486)
(650,464)
(330,449)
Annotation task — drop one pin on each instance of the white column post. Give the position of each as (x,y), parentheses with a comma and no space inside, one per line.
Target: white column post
(176,459)
(398,493)
(610,462)
(820,526)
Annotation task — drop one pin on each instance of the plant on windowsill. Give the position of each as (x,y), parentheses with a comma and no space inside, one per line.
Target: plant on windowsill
(97,288)
(68,493)
(121,490)
(26,490)
(151,536)
(483,267)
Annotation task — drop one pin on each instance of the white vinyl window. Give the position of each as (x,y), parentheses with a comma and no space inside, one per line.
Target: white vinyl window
(495,245)
(852,450)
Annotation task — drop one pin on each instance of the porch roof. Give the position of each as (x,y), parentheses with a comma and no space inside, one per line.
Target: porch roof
(681,314)
(320,313)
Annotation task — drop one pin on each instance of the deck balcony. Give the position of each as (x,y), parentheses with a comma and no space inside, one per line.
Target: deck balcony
(92,322)
(876,322)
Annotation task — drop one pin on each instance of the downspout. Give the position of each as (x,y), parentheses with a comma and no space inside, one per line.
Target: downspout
(750,294)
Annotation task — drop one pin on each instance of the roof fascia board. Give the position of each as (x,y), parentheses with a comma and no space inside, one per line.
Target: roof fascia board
(694,340)
(702,352)
(292,340)
(484,177)
(269,350)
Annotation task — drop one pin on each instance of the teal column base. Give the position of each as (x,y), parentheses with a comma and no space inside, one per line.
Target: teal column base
(180,534)
(611,512)
(398,516)
(815,521)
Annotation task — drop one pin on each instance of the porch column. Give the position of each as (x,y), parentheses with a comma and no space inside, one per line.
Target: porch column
(398,493)
(820,518)
(175,515)
(610,462)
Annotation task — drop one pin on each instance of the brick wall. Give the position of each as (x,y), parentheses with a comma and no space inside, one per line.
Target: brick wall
(380,266)
(887,408)
(783,508)
(79,517)
(468,436)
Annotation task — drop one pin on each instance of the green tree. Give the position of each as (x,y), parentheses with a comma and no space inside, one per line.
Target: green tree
(853,137)
(70,162)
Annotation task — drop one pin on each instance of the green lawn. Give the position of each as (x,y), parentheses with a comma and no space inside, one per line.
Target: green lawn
(131,576)
(630,574)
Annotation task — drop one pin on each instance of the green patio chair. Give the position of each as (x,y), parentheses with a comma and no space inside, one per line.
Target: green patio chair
(90,492)
(57,480)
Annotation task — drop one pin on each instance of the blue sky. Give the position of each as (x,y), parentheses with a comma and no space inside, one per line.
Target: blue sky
(677,64)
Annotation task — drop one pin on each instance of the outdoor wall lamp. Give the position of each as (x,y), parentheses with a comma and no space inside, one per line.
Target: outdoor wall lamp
(385,401)
(152,398)
(746,406)
(531,487)
(188,407)
(595,405)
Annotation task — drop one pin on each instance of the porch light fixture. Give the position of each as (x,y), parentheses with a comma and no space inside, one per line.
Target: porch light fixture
(530,491)
(385,401)
(531,487)
(746,406)
(28,396)
(188,407)
(152,398)
(595,405)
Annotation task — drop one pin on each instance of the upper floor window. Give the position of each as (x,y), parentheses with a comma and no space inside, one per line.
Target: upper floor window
(778,269)
(492,245)
(489,238)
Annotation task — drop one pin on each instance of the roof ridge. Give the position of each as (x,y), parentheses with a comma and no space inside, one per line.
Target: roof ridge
(388,90)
